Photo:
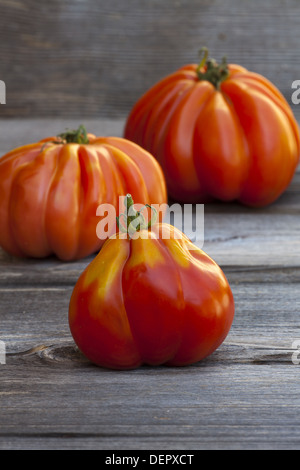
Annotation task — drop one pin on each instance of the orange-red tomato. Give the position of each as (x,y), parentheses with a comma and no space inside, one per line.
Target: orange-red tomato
(50,191)
(219,132)
(155,299)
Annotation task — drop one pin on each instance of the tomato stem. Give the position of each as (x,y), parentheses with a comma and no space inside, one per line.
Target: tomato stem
(78,136)
(210,70)
(134,220)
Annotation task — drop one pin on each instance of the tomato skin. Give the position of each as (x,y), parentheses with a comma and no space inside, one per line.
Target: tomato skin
(237,143)
(155,300)
(49,193)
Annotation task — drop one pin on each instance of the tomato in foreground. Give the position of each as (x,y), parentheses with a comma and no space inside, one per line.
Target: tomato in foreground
(220,132)
(153,298)
(50,192)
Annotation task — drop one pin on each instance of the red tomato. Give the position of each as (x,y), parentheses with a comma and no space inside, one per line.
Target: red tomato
(155,299)
(219,132)
(50,191)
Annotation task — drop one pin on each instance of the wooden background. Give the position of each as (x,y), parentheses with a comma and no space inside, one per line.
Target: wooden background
(94,58)
(69,61)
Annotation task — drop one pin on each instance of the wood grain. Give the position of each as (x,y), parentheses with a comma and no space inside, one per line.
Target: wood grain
(95,58)
(244,396)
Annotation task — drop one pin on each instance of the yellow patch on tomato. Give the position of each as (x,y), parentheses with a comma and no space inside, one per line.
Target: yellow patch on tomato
(146,249)
(105,267)
(178,252)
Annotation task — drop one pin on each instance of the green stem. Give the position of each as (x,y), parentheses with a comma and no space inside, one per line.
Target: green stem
(78,136)
(214,73)
(133,219)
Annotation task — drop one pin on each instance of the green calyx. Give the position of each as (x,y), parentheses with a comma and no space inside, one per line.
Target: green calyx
(134,220)
(78,136)
(214,73)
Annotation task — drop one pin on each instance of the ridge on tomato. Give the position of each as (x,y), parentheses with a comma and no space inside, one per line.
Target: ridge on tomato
(219,132)
(150,297)
(50,191)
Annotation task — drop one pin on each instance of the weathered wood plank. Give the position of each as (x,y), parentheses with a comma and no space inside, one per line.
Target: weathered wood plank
(218,438)
(18,132)
(180,438)
(204,407)
(125,47)
(53,273)
(253,240)
(247,239)
(35,316)
(243,396)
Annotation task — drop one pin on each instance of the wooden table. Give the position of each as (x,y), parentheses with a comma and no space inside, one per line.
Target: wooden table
(245,396)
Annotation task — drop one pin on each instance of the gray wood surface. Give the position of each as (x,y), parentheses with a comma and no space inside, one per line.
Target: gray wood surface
(96,57)
(244,396)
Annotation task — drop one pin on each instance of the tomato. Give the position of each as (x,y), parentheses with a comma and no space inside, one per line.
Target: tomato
(220,132)
(50,191)
(153,298)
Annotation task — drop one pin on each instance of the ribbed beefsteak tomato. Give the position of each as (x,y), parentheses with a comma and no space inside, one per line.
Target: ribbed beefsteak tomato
(219,132)
(150,299)
(50,191)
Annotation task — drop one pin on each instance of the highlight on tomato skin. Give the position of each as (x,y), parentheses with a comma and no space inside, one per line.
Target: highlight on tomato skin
(220,132)
(50,191)
(150,299)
